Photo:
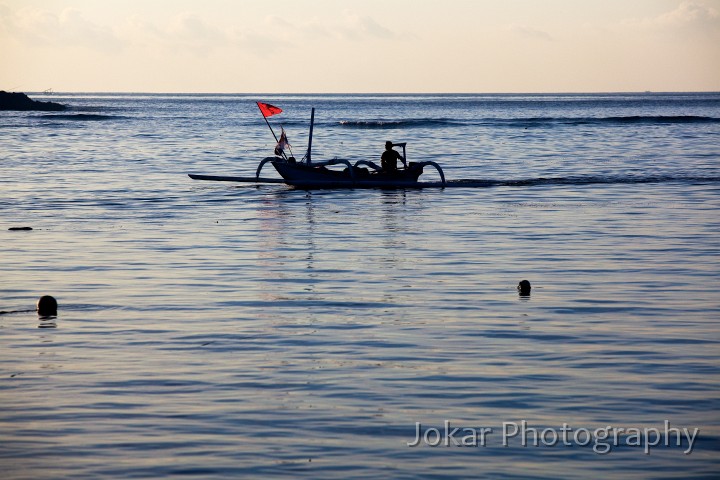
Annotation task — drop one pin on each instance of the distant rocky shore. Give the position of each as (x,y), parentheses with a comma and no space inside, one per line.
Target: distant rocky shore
(20,101)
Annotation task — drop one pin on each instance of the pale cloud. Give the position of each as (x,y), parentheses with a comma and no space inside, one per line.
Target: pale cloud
(358,27)
(68,28)
(348,27)
(189,26)
(189,32)
(530,32)
(185,32)
(285,35)
(272,35)
(689,14)
(259,43)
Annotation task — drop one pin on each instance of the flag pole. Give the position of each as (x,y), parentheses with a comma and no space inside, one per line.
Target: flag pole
(266,121)
(271,129)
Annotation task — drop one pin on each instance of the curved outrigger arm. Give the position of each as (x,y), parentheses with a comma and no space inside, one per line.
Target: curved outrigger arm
(370,164)
(437,167)
(375,167)
(262,164)
(336,161)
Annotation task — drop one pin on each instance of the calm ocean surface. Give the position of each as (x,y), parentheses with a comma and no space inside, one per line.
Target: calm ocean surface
(215,330)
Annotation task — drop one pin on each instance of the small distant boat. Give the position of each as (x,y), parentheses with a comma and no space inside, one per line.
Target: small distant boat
(309,175)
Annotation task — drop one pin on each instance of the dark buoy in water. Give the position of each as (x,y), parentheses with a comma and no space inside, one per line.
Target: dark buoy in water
(47,306)
(524,288)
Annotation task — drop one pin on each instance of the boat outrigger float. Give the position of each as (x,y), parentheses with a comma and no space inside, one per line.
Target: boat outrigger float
(308,174)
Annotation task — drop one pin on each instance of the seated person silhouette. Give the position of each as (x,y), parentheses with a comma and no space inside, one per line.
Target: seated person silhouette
(389,158)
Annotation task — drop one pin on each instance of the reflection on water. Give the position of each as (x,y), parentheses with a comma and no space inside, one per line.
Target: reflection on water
(47,322)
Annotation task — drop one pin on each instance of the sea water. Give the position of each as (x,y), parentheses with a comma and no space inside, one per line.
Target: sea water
(215,330)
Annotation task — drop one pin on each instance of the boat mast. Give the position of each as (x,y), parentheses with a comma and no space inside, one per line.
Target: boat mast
(312,121)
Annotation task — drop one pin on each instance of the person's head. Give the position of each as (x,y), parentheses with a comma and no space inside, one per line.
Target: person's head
(388,145)
(47,306)
(524,288)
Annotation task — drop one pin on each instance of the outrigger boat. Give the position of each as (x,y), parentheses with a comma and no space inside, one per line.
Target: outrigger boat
(308,174)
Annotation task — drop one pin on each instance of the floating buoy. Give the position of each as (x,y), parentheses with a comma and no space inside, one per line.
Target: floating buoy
(47,306)
(524,288)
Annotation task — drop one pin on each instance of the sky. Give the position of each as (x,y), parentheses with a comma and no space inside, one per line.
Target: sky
(360,46)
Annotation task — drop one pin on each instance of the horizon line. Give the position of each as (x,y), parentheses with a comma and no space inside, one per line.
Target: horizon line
(138,92)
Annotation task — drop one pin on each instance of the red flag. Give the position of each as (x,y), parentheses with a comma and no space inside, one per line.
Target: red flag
(268,110)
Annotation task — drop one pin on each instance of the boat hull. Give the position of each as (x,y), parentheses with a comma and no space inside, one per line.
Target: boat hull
(304,176)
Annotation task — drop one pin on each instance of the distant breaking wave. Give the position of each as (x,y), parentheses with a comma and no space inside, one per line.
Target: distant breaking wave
(634,120)
(88,117)
(411,123)
(529,122)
